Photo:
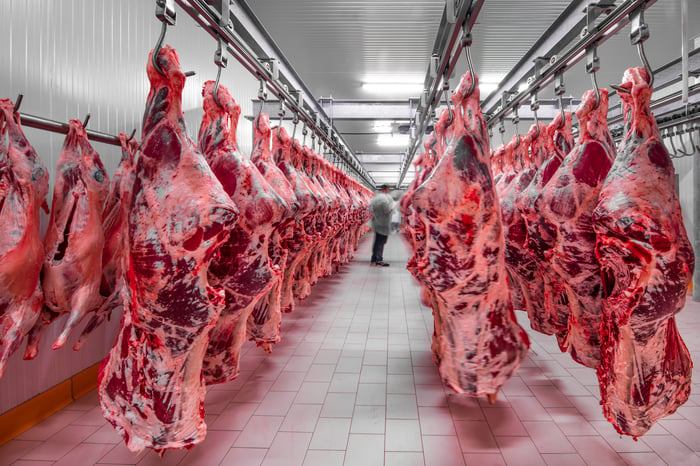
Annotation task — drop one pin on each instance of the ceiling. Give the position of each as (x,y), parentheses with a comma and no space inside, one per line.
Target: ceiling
(337,45)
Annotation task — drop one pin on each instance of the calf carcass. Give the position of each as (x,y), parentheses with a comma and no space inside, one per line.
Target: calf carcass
(74,239)
(24,184)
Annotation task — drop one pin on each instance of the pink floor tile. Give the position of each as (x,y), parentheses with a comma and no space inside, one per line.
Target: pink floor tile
(338,405)
(105,434)
(643,459)
(403,435)
(475,437)
(400,383)
(465,408)
(516,387)
(288,449)
(327,357)
(528,408)
(324,458)
(330,434)
(346,383)
(351,365)
(52,425)
(234,417)
(212,450)
(373,374)
(443,450)
(672,450)
(619,443)
(563,459)
(595,450)
(375,357)
(401,407)
(15,449)
(399,366)
(431,395)
(519,451)
(484,459)
(312,393)
(365,450)
(244,457)
(436,421)
(217,400)
(259,432)
(275,404)
(403,458)
(371,394)
(320,373)
(683,430)
(504,421)
(368,420)
(288,381)
(301,418)
(119,454)
(61,443)
(549,396)
(84,453)
(547,437)
(253,391)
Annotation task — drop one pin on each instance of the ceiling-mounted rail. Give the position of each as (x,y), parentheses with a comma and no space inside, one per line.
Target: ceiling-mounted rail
(459,18)
(593,36)
(284,84)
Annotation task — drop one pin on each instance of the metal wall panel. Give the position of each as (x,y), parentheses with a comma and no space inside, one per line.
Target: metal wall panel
(70,57)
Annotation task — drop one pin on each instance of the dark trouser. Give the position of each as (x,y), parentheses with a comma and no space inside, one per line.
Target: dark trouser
(378,247)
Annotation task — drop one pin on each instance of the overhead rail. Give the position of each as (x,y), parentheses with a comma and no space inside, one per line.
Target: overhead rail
(265,65)
(44,124)
(453,36)
(545,71)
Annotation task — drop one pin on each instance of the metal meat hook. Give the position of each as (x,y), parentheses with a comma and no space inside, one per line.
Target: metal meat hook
(559,90)
(467,42)
(534,106)
(593,65)
(220,60)
(165,12)
(446,91)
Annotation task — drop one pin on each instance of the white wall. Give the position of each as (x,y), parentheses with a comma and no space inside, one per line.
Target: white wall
(70,57)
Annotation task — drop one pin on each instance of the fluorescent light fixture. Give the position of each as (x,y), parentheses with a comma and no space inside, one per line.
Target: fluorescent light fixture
(392,140)
(381,126)
(487,88)
(393,88)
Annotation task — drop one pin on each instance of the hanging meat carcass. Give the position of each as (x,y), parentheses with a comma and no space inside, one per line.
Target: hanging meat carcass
(540,233)
(565,206)
(24,184)
(74,239)
(114,220)
(526,280)
(301,240)
(264,322)
(480,344)
(151,386)
(243,266)
(647,263)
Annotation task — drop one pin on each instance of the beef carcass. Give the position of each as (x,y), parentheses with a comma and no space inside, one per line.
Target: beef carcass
(540,233)
(480,344)
(526,279)
(565,206)
(264,322)
(24,184)
(74,239)
(301,240)
(647,263)
(150,386)
(243,267)
(114,219)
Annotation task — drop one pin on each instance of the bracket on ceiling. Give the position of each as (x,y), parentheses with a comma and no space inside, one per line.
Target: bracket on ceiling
(593,11)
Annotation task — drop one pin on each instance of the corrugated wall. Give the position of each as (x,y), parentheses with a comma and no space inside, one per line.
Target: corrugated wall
(71,57)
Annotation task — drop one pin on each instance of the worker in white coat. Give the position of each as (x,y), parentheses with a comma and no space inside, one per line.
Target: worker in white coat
(380,207)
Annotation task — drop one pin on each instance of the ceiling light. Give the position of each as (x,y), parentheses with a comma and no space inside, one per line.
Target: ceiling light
(487,88)
(392,140)
(393,88)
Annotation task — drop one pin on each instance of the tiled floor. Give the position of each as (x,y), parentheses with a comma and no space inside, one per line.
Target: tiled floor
(353,383)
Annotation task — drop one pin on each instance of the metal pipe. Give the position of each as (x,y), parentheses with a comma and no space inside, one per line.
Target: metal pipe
(684,49)
(696,226)
(209,19)
(45,124)
(609,26)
